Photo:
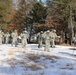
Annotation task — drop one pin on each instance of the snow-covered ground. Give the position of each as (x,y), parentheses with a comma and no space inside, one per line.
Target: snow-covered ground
(32,60)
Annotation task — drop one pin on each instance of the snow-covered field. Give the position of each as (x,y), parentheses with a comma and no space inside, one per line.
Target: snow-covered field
(32,60)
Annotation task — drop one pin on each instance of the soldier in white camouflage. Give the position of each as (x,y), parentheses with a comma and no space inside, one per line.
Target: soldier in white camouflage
(40,39)
(24,38)
(74,40)
(47,40)
(1,36)
(7,35)
(53,36)
(3,39)
(14,38)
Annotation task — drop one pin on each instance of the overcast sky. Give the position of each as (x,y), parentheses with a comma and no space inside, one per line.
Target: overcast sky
(43,0)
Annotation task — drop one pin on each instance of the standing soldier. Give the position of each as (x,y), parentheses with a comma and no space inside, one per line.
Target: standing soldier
(7,35)
(74,40)
(26,33)
(24,38)
(53,36)
(47,41)
(40,39)
(14,38)
(1,36)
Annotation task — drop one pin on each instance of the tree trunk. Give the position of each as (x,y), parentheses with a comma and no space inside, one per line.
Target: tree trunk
(70,25)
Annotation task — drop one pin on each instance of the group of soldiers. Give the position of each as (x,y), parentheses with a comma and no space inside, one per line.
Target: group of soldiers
(48,37)
(13,38)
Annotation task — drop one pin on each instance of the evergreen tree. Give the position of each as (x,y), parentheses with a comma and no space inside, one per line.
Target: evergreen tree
(36,16)
(38,13)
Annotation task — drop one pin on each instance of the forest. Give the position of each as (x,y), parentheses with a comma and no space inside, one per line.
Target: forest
(38,16)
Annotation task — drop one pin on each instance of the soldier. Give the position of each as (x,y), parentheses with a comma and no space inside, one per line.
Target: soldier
(7,35)
(14,38)
(1,36)
(24,38)
(40,39)
(26,33)
(47,41)
(53,35)
(74,40)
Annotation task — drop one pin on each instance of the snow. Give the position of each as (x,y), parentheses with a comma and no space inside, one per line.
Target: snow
(32,60)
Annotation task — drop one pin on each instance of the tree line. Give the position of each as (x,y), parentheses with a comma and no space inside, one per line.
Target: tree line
(37,16)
